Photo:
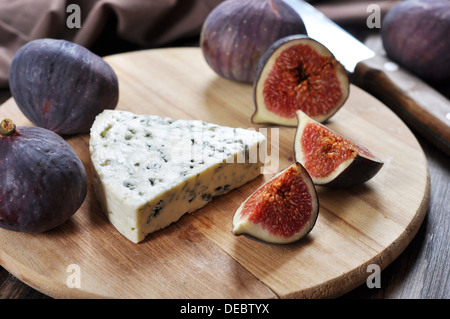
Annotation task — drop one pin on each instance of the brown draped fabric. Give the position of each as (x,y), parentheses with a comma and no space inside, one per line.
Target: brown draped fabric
(141,23)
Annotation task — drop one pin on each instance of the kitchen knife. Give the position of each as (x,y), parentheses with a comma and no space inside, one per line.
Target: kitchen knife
(418,104)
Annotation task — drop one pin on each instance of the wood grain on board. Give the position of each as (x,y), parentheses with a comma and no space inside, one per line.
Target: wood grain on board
(198,257)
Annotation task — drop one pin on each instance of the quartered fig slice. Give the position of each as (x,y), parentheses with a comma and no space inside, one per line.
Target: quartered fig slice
(282,210)
(330,159)
(298,73)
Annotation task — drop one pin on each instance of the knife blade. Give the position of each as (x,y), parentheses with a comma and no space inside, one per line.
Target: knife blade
(418,104)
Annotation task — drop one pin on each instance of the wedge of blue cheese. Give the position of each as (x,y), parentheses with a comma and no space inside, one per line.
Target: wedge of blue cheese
(148,171)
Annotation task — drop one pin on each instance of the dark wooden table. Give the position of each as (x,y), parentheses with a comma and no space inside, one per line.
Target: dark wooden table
(422,271)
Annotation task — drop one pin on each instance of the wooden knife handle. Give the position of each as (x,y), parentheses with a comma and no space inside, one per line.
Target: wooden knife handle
(419,105)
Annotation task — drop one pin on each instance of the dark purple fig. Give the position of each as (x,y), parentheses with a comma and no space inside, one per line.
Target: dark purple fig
(416,33)
(298,73)
(62,86)
(331,159)
(237,33)
(43,181)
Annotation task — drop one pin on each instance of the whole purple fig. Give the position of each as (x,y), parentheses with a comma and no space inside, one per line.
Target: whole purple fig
(43,181)
(416,33)
(62,86)
(238,32)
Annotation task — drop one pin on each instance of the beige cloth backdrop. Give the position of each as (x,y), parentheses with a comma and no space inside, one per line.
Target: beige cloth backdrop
(141,22)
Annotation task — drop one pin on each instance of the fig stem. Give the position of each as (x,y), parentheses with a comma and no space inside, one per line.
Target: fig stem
(7,127)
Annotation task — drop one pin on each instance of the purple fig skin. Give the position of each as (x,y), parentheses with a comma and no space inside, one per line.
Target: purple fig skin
(43,181)
(358,172)
(361,169)
(258,85)
(237,33)
(62,86)
(415,34)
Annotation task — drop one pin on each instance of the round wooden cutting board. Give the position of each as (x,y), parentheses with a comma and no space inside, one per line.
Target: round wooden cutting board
(199,257)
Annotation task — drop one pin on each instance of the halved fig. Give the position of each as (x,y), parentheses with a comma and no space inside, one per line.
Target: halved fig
(298,73)
(282,210)
(330,159)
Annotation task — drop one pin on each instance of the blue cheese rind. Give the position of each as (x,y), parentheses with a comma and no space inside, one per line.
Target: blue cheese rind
(149,171)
